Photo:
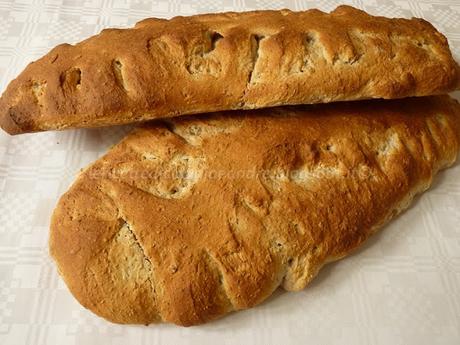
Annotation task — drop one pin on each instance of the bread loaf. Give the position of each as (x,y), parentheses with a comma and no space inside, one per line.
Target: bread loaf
(204,63)
(189,219)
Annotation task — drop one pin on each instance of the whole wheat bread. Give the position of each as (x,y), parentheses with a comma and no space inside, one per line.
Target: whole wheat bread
(204,63)
(186,220)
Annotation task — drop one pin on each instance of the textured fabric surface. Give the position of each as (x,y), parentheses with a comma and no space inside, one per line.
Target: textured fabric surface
(403,287)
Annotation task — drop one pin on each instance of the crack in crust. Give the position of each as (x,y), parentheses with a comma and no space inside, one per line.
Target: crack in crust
(201,59)
(117,67)
(142,250)
(213,262)
(70,80)
(255,46)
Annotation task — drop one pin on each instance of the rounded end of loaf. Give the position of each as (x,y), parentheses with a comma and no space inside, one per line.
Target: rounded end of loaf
(8,124)
(111,256)
(19,110)
(8,120)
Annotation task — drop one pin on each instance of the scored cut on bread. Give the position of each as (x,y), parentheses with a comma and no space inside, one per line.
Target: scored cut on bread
(224,61)
(188,219)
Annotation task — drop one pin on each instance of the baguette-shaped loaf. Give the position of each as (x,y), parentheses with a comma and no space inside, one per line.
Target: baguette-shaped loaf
(204,63)
(186,220)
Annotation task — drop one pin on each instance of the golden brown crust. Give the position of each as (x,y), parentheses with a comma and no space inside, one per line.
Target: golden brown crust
(204,63)
(186,220)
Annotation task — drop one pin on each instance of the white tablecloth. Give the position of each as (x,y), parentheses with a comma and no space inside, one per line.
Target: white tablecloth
(403,287)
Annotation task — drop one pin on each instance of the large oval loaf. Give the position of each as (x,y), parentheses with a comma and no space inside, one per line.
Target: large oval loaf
(204,63)
(186,220)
